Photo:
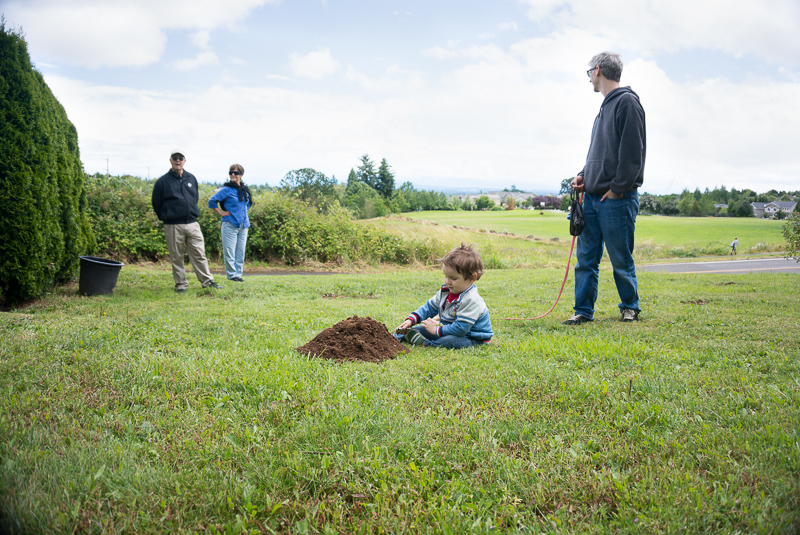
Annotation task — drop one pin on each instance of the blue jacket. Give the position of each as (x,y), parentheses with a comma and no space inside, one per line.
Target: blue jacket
(618,147)
(467,316)
(238,209)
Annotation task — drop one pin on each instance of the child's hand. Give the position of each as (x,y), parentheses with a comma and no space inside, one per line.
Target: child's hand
(430,325)
(405,325)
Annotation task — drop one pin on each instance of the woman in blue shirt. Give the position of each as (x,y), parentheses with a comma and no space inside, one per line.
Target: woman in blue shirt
(233,201)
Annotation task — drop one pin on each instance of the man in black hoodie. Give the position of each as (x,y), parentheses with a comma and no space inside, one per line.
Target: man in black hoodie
(610,180)
(175,197)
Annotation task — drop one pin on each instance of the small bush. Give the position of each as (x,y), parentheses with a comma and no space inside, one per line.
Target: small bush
(294,232)
(123,220)
(791,231)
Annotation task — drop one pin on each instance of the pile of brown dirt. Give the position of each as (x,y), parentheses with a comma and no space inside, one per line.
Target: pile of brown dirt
(354,339)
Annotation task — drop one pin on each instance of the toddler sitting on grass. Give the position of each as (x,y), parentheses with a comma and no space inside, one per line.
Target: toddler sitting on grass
(463,315)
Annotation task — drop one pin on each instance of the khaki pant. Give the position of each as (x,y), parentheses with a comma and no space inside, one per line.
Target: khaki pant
(190,238)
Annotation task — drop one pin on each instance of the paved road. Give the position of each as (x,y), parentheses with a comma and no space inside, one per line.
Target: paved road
(756,265)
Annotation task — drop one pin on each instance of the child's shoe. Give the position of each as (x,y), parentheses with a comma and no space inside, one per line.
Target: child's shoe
(413,337)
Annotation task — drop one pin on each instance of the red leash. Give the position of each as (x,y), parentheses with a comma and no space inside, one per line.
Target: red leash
(566,274)
(574,232)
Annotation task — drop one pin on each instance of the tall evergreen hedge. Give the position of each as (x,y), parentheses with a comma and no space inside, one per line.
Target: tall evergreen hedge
(43,223)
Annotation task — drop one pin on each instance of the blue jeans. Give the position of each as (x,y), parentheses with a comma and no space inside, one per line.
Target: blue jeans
(447,342)
(234,240)
(611,223)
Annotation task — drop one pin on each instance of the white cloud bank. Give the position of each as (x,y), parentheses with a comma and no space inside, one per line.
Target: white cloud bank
(133,33)
(314,65)
(484,116)
(495,120)
(763,28)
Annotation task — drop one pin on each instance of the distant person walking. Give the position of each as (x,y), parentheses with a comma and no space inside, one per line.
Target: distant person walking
(613,172)
(735,246)
(233,202)
(174,200)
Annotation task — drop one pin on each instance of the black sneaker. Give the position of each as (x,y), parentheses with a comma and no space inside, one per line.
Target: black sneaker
(213,285)
(237,279)
(577,319)
(628,315)
(180,290)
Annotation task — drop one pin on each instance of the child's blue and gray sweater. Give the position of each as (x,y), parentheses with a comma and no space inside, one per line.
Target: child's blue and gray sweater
(466,316)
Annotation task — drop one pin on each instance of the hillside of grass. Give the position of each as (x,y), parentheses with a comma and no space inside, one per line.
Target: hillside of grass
(656,236)
(151,412)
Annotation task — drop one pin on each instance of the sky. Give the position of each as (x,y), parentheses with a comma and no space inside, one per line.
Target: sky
(462,95)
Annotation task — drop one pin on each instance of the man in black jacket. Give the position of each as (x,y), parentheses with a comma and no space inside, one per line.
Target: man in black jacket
(175,197)
(611,178)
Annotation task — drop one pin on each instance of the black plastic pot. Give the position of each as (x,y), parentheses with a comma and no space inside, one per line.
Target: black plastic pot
(98,275)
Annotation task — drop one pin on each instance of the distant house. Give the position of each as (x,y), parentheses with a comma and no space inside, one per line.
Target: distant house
(718,207)
(519,196)
(768,210)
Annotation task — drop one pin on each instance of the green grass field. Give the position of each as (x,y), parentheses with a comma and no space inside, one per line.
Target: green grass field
(149,412)
(657,235)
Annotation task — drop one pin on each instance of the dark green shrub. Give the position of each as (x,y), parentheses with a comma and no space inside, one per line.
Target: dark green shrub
(43,226)
(294,232)
(791,231)
(122,218)
(283,228)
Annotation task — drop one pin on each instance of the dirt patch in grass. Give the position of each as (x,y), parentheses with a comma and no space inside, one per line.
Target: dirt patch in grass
(354,339)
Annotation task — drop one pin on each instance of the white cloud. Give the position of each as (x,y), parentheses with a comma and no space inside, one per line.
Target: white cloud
(716,131)
(762,28)
(200,60)
(561,55)
(485,115)
(506,26)
(495,118)
(96,33)
(395,81)
(201,39)
(314,65)
(450,51)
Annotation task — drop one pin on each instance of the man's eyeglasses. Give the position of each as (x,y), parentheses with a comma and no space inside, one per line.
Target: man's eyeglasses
(589,72)
(178,158)
(235,173)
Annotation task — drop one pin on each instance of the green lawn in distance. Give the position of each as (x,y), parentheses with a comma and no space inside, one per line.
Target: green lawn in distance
(658,230)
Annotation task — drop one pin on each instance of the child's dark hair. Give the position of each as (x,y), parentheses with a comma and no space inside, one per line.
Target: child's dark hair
(465,260)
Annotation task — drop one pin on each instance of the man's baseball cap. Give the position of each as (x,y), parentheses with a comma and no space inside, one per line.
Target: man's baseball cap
(176,151)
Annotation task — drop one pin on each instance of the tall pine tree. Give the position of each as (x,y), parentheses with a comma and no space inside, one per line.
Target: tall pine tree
(385,182)
(366,172)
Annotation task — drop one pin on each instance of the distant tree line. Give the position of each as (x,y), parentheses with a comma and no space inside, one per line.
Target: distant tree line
(719,202)
(368,192)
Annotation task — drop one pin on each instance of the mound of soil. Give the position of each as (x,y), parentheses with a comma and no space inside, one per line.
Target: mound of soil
(354,339)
